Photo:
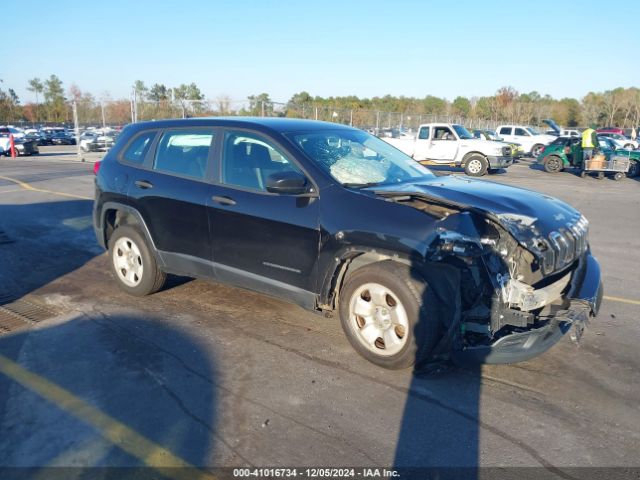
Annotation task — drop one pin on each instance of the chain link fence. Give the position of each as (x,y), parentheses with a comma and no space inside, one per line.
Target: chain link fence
(116,113)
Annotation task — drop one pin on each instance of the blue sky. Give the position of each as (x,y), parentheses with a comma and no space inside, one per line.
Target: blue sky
(331,47)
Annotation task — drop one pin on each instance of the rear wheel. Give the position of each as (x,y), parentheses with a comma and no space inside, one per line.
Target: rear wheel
(476,165)
(132,263)
(536,150)
(552,164)
(380,306)
(619,176)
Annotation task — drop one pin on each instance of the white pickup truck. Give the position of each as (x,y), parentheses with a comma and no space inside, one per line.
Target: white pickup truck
(531,140)
(453,145)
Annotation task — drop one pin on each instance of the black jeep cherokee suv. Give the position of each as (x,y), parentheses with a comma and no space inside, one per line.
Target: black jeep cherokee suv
(332,218)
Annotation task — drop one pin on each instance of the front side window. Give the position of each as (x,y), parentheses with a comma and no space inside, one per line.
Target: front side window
(357,159)
(137,149)
(184,152)
(443,133)
(249,159)
(533,131)
(522,132)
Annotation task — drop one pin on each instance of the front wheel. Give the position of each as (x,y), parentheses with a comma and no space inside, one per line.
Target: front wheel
(380,307)
(476,165)
(132,263)
(552,164)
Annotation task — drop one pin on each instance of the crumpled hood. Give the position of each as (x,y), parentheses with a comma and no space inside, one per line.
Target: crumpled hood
(524,213)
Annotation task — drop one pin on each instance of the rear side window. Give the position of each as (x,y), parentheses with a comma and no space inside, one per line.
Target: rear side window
(505,131)
(184,152)
(138,148)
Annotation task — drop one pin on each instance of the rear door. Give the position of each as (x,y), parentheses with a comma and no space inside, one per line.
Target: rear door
(507,134)
(261,240)
(171,193)
(422,143)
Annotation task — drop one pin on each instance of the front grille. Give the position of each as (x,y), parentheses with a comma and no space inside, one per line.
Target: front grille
(563,246)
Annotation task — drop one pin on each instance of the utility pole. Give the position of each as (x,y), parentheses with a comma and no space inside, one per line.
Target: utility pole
(104,122)
(76,128)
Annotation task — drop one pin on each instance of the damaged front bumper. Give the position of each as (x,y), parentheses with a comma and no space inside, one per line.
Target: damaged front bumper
(582,301)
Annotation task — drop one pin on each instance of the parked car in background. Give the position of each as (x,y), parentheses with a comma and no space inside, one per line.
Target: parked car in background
(44,137)
(531,140)
(516,150)
(619,131)
(453,145)
(563,133)
(61,138)
(8,130)
(565,152)
(24,146)
(620,141)
(93,141)
(339,222)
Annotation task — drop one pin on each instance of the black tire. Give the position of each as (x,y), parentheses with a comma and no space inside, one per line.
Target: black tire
(583,174)
(493,171)
(152,278)
(634,169)
(552,164)
(536,150)
(619,176)
(476,165)
(411,294)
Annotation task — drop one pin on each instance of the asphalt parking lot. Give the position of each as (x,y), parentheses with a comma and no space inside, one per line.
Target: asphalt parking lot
(206,375)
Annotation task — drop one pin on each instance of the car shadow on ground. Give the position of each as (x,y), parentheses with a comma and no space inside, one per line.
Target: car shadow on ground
(107,397)
(91,390)
(439,432)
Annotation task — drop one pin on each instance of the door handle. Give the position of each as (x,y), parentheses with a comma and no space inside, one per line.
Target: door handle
(223,200)
(143,184)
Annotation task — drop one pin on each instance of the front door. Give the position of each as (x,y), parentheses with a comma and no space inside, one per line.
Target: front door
(261,240)
(444,145)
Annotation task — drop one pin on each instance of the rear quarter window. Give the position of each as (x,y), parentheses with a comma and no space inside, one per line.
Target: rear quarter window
(137,150)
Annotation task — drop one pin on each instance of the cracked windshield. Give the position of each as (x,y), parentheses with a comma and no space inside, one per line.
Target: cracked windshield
(358,159)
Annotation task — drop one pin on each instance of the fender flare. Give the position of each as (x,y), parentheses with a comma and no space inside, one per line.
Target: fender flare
(117,206)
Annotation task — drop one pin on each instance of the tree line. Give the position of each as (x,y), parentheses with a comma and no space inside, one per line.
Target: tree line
(619,107)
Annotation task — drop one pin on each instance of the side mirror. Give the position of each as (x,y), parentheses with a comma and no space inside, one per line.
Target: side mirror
(287,183)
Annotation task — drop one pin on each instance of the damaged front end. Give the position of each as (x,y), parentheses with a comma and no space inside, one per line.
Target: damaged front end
(521,289)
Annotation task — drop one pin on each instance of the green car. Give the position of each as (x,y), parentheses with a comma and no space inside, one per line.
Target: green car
(566,152)
(516,149)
